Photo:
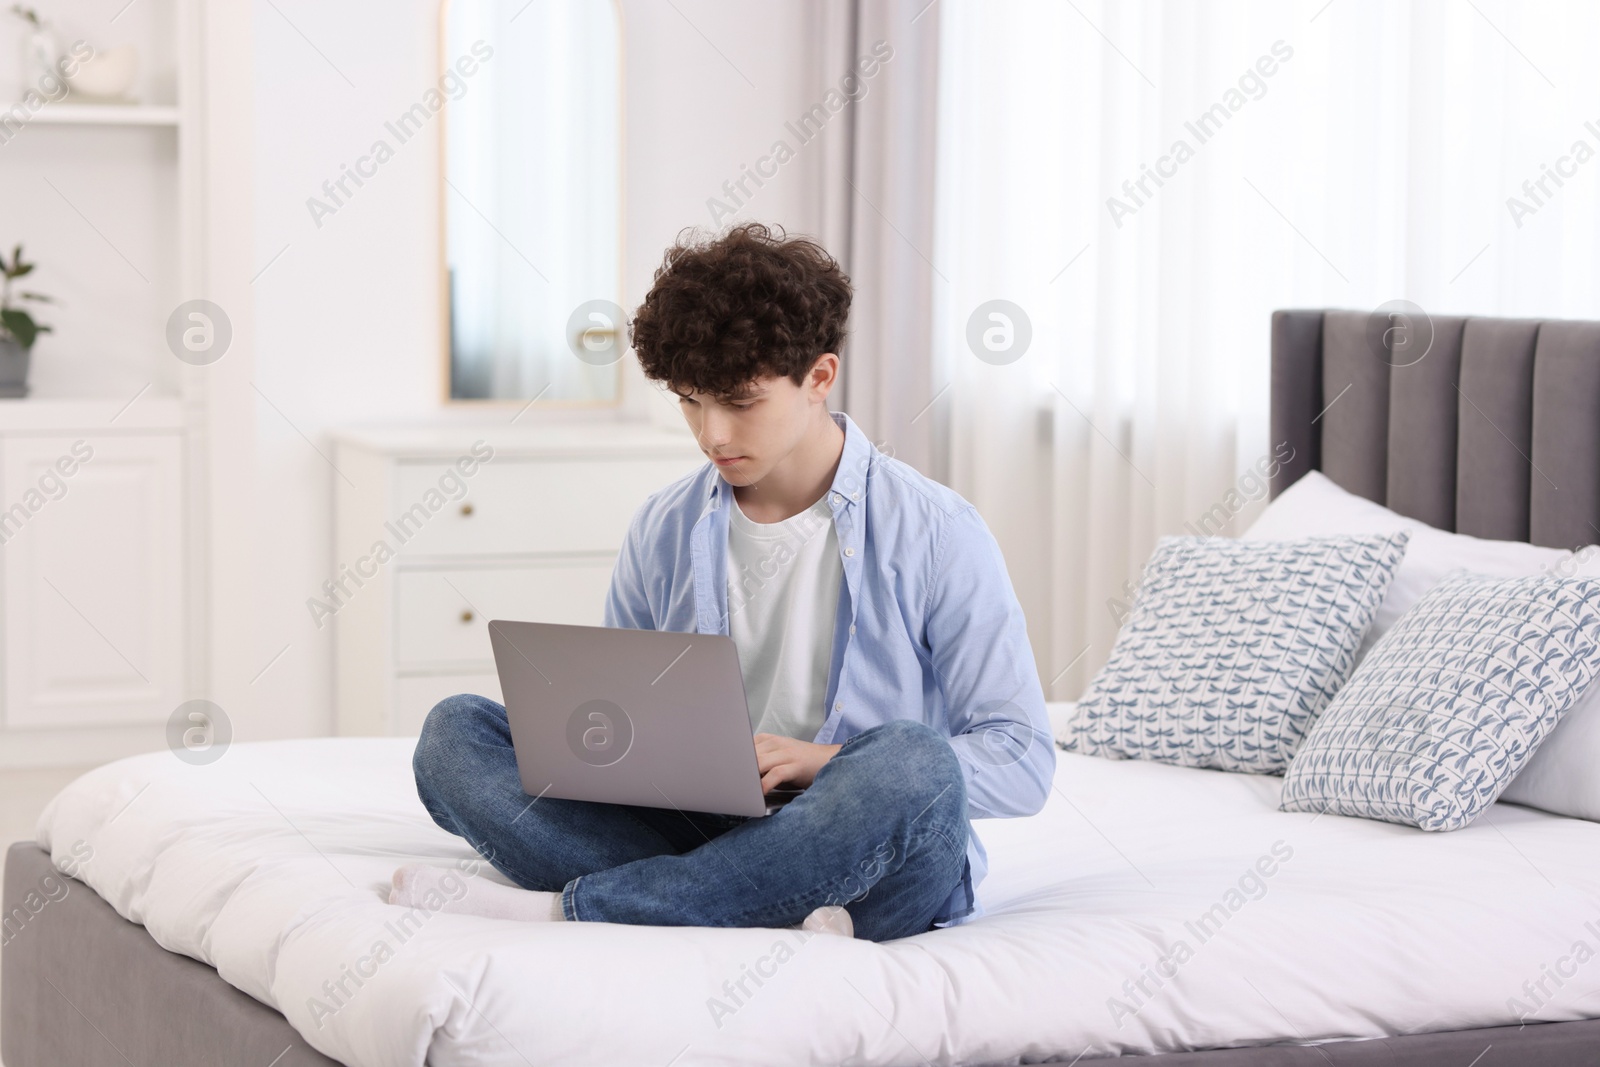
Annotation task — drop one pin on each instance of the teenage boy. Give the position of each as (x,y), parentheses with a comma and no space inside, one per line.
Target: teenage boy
(885,658)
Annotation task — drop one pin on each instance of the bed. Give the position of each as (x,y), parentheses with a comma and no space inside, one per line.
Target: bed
(234,912)
(272,870)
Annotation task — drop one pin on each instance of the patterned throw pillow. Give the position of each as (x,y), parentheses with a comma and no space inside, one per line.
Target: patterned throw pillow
(1450,704)
(1233,648)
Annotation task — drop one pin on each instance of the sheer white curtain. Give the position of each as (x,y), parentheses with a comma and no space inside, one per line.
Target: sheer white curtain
(1351,153)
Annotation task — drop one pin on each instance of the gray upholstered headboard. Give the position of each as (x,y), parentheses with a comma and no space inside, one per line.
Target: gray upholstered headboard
(1494,432)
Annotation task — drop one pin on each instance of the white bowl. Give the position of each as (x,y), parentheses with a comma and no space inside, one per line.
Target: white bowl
(108,74)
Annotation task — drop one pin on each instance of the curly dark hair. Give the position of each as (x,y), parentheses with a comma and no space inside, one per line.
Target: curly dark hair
(750,303)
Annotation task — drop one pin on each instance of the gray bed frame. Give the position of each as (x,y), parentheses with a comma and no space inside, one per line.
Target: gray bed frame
(1494,431)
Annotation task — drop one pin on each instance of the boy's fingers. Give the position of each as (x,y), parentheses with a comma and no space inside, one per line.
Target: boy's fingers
(775,777)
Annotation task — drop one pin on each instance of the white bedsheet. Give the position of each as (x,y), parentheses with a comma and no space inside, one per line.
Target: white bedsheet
(272,865)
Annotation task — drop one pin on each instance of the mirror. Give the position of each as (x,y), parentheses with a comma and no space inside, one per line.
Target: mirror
(531,201)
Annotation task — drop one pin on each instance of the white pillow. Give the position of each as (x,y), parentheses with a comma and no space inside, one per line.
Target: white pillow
(1315,506)
(1563,776)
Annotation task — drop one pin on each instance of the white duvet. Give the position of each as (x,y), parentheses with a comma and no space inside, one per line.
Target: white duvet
(1147,908)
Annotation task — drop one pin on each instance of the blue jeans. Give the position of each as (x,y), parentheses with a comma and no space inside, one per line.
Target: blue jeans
(882,830)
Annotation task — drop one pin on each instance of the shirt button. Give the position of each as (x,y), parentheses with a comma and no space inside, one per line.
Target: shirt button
(852,629)
(855,496)
(838,705)
(837,499)
(849,551)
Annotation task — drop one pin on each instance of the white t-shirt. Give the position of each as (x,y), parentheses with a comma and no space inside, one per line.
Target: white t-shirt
(783,590)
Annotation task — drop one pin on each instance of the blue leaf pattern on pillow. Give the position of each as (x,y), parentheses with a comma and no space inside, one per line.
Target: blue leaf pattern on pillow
(1449,706)
(1233,648)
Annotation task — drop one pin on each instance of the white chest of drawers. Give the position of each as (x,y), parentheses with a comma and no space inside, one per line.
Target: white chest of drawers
(439,530)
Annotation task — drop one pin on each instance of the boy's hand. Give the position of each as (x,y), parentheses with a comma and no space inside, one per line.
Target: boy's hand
(787,761)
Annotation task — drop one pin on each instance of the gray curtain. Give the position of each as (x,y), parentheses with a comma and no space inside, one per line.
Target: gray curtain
(877,202)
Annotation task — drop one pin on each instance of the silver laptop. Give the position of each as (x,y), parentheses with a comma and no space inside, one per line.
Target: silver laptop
(643,717)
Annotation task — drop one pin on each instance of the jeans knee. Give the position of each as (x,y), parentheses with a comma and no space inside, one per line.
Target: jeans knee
(447,732)
(915,744)
(920,771)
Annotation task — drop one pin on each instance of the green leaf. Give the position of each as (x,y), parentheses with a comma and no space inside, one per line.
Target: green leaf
(20,325)
(19,269)
(37,296)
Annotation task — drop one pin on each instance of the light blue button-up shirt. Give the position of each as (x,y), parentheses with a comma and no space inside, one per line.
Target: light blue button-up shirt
(928,627)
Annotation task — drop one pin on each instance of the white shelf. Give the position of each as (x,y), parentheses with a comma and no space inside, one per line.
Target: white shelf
(76,414)
(66,113)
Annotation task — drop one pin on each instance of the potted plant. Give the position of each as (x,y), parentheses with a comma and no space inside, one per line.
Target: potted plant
(40,51)
(18,331)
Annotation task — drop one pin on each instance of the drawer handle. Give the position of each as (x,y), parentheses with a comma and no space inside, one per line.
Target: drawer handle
(466,510)
(466,615)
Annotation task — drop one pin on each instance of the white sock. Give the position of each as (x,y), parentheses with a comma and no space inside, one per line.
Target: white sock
(828,919)
(418,885)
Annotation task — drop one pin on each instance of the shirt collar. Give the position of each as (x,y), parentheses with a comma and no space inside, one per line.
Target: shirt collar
(850,480)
